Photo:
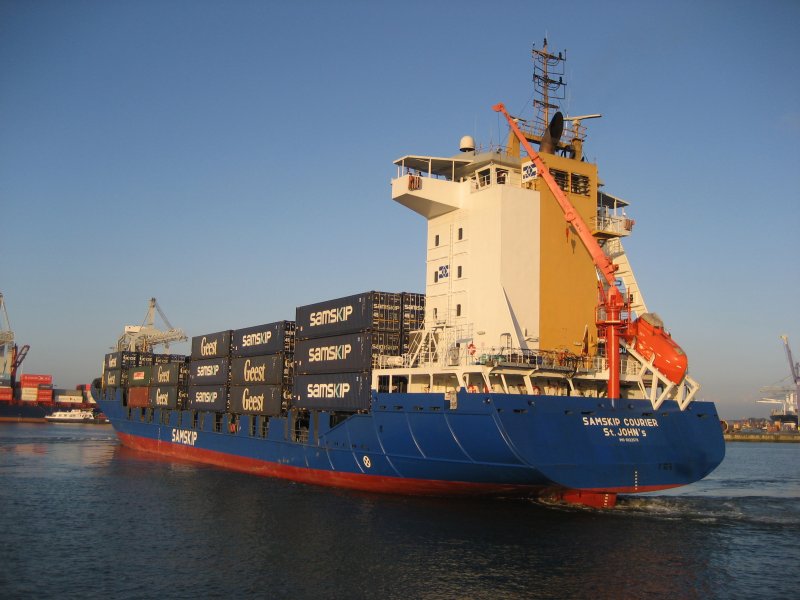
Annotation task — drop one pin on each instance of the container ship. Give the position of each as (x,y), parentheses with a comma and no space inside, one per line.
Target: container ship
(31,397)
(530,366)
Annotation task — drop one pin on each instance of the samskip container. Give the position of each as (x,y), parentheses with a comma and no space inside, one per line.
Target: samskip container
(369,310)
(270,338)
(208,397)
(337,391)
(213,371)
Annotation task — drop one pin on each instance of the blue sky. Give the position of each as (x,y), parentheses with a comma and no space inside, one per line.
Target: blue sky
(233,159)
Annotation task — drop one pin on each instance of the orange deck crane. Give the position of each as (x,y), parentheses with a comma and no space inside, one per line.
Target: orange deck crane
(646,333)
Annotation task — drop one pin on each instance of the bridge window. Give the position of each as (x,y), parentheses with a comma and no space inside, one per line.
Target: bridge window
(458,310)
(436,240)
(461,233)
(580,184)
(562,179)
(459,271)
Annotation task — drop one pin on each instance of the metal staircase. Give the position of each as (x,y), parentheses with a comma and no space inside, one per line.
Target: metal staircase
(616,251)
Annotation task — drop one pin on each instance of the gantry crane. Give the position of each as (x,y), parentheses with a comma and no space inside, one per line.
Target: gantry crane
(144,337)
(645,337)
(11,357)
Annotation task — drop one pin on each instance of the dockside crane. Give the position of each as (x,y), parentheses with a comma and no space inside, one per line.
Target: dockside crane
(11,356)
(794,368)
(145,337)
(645,337)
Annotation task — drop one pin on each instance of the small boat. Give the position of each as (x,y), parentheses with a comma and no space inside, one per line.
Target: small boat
(76,415)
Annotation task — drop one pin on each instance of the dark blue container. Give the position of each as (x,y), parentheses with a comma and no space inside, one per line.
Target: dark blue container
(256,399)
(338,391)
(270,338)
(211,345)
(169,396)
(121,360)
(170,373)
(349,353)
(209,372)
(272,369)
(114,378)
(370,310)
(208,397)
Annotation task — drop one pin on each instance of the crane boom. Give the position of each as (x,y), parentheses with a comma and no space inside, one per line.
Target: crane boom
(646,334)
(793,368)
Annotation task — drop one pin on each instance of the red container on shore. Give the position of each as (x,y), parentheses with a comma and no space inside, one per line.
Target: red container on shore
(32,380)
(44,395)
(139,397)
(6,393)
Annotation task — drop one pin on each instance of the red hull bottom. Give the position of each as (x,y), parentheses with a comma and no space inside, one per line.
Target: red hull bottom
(376,483)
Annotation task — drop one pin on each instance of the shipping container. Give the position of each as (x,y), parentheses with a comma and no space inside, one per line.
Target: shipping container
(170,373)
(6,393)
(30,379)
(140,376)
(370,310)
(256,399)
(344,353)
(121,360)
(115,378)
(211,345)
(270,338)
(208,397)
(161,359)
(139,397)
(273,369)
(213,371)
(144,359)
(63,399)
(337,391)
(168,396)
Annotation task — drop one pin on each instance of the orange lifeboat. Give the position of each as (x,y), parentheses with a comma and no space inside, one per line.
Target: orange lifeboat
(651,340)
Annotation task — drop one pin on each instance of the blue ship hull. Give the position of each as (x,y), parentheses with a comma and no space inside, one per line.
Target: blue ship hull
(578,449)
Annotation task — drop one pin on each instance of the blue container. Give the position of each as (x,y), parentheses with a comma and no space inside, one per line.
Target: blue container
(213,371)
(337,391)
(349,353)
(270,338)
(208,397)
(256,399)
(370,310)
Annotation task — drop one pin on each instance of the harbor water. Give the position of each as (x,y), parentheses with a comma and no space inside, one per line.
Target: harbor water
(82,517)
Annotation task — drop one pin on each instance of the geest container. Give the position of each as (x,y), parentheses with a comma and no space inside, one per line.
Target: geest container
(211,345)
(263,339)
(213,371)
(208,397)
(344,353)
(167,396)
(139,397)
(370,310)
(121,360)
(336,391)
(273,369)
(170,373)
(115,378)
(256,399)
(140,376)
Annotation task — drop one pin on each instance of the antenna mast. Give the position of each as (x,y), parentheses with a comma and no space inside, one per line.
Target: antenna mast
(548,85)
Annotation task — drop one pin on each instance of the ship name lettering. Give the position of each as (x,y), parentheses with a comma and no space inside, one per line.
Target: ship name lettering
(208,348)
(184,436)
(255,372)
(256,339)
(603,421)
(328,390)
(252,402)
(332,315)
(323,353)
